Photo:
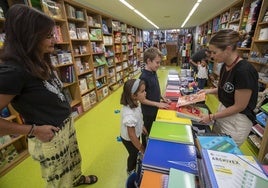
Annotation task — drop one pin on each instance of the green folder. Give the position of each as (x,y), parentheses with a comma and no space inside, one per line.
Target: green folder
(178,178)
(172,132)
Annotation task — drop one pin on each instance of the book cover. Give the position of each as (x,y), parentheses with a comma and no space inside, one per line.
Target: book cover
(258,129)
(192,112)
(231,170)
(264,107)
(82,33)
(83,85)
(172,132)
(86,101)
(218,143)
(58,34)
(72,31)
(261,118)
(152,179)
(191,99)
(173,95)
(173,87)
(171,116)
(181,178)
(52,8)
(160,156)
(90,81)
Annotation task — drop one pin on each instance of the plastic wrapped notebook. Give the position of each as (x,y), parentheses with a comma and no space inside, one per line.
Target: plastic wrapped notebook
(191,99)
(192,112)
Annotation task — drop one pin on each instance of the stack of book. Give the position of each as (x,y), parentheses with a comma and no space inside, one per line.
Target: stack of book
(222,164)
(172,91)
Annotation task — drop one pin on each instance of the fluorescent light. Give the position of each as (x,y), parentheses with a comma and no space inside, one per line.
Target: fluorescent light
(191,12)
(138,12)
(127,4)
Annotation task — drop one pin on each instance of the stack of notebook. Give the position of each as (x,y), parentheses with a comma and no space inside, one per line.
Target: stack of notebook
(170,146)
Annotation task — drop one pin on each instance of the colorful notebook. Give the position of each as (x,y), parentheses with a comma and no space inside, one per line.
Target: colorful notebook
(178,178)
(152,179)
(261,118)
(264,107)
(218,143)
(171,117)
(194,113)
(191,99)
(230,170)
(160,156)
(172,132)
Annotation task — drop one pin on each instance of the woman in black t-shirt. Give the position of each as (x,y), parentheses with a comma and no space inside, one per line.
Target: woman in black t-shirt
(29,82)
(237,89)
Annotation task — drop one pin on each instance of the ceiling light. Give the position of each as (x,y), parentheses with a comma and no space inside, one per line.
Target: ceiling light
(191,12)
(127,4)
(138,12)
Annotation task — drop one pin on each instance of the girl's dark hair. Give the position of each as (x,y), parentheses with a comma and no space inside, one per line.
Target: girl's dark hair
(25,28)
(126,97)
(224,38)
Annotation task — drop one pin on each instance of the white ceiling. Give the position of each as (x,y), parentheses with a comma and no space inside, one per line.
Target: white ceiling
(166,14)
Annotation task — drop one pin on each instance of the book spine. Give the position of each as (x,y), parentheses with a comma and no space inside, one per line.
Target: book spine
(209,168)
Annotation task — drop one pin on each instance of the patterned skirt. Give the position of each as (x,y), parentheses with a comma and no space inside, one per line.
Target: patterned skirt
(60,158)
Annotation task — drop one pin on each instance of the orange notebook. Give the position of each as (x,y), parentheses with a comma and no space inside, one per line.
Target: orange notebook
(153,179)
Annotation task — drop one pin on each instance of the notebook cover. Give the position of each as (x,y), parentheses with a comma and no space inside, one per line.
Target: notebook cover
(191,99)
(172,132)
(152,179)
(162,155)
(264,107)
(261,118)
(218,143)
(171,116)
(229,170)
(194,113)
(181,178)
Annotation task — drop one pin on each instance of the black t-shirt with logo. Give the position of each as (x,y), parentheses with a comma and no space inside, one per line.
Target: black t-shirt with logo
(242,76)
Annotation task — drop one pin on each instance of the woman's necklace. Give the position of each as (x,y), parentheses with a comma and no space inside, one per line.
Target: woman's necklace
(230,68)
(233,63)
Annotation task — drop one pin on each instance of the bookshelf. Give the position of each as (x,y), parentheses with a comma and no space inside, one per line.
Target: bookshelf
(13,148)
(108,42)
(254,49)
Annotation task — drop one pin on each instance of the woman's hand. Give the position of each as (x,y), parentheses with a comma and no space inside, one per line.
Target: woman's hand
(45,133)
(205,119)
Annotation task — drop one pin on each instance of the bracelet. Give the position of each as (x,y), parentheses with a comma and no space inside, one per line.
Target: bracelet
(30,134)
(210,117)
